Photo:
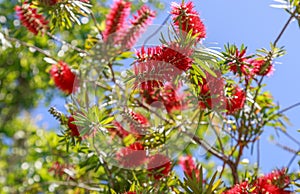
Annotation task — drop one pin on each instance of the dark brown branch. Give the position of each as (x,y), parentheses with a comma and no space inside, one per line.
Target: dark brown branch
(284,27)
(217,154)
(96,24)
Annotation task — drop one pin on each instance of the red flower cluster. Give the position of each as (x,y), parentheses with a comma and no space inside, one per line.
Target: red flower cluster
(187,19)
(171,98)
(132,156)
(118,130)
(143,18)
(243,65)
(176,55)
(260,67)
(130,192)
(212,91)
(118,32)
(161,64)
(58,168)
(241,188)
(29,18)
(212,95)
(275,183)
(63,77)
(188,165)
(168,95)
(137,123)
(85,1)
(159,166)
(236,101)
(73,127)
(115,20)
(239,65)
(156,68)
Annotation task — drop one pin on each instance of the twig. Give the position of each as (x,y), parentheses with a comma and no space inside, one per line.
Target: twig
(284,27)
(112,72)
(30,46)
(96,24)
(156,31)
(288,108)
(258,154)
(68,44)
(217,154)
(292,159)
(110,179)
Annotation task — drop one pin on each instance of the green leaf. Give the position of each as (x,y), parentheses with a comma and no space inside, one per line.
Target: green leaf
(205,66)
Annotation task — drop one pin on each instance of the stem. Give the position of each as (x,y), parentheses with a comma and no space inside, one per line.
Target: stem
(68,44)
(258,155)
(110,178)
(112,72)
(30,46)
(288,108)
(292,159)
(96,24)
(217,154)
(156,31)
(284,27)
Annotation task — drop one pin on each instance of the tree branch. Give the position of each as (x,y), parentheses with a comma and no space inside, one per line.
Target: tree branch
(284,27)
(30,46)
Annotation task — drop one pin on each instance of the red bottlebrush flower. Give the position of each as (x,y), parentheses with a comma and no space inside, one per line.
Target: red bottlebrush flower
(159,166)
(132,156)
(177,56)
(29,18)
(275,182)
(73,127)
(115,20)
(130,192)
(212,91)
(158,65)
(58,168)
(138,123)
(147,54)
(241,188)
(186,19)
(239,63)
(258,65)
(161,64)
(188,165)
(139,24)
(63,77)
(118,130)
(236,101)
(170,97)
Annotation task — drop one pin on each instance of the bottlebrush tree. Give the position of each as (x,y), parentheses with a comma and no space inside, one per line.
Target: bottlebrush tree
(136,110)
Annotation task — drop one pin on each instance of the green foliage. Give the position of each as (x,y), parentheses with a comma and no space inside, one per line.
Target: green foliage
(200,185)
(37,160)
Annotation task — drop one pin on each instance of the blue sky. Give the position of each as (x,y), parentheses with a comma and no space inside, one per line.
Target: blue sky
(256,24)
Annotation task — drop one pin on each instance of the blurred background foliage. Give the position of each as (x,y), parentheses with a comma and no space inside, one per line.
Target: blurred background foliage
(27,151)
